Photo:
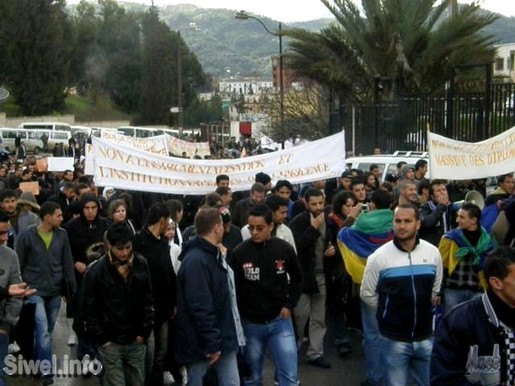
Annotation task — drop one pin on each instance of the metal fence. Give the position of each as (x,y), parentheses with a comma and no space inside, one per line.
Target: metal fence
(402,124)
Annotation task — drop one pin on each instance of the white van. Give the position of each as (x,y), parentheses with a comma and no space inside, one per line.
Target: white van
(32,139)
(387,163)
(139,132)
(45,126)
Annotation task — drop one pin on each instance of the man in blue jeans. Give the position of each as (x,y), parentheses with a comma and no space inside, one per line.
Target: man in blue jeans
(208,327)
(45,260)
(10,278)
(401,281)
(268,284)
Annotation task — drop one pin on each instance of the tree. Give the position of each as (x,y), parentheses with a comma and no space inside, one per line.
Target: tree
(37,57)
(305,113)
(400,45)
(158,69)
(86,65)
(118,38)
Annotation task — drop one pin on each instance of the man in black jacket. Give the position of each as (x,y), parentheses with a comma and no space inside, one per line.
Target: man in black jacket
(438,215)
(268,284)
(475,341)
(86,235)
(118,309)
(153,245)
(208,324)
(315,238)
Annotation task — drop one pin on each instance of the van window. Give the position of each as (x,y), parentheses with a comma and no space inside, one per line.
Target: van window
(365,167)
(60,135)
(11,134)
(45,126)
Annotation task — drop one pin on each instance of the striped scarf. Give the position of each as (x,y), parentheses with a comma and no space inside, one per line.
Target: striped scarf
(123,267)
(509,341)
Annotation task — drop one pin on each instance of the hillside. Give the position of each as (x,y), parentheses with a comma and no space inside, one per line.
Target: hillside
(227,46)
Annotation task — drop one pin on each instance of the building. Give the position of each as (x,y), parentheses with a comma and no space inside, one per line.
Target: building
(504,61)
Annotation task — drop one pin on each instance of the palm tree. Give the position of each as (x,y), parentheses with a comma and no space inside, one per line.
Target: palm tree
(404,45)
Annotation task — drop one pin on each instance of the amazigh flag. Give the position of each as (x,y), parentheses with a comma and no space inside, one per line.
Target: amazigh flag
(369,232)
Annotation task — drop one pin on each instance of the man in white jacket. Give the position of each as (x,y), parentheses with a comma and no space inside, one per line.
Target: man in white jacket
(401,281)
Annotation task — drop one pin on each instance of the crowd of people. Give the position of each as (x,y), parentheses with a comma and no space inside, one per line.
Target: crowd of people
(198,288)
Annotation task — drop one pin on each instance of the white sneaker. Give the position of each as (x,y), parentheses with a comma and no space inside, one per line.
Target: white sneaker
(168,378)
(13,348)
(184,374)
(72,340)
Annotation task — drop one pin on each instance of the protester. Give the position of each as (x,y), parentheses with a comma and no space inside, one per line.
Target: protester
(268,285)
(45,261)
(475,341)
(315,239)
(209,330)
(401,281)
(118,309)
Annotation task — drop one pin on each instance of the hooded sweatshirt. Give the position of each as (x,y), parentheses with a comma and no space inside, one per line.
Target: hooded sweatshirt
(85,236)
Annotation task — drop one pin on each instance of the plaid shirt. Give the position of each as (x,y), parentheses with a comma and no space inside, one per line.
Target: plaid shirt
(464,276)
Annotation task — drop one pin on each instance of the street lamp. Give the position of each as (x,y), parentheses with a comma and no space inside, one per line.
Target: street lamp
(242,15)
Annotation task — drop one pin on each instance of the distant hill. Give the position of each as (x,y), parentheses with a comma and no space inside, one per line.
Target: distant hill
(227,46)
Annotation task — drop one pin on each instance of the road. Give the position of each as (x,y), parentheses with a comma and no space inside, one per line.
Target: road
(344,372)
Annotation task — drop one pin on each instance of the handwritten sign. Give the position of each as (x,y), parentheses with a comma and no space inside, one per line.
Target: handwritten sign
(124,167)
(457,160)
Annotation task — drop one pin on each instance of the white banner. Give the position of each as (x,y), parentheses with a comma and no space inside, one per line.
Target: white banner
(455,160)
(60,164)
(177,147)
(155,145)
(124,167)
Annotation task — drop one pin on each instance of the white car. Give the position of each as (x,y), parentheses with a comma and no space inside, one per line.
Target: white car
(387,162)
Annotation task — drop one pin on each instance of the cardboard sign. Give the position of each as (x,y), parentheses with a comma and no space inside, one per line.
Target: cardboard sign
(32,187)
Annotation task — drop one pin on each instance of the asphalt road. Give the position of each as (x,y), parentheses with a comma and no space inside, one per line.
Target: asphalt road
(344,372)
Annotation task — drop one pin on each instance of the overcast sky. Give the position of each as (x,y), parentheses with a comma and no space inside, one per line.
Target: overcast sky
(301,10)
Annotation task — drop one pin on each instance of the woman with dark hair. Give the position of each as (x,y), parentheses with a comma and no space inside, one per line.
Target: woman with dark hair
(118,214)
(344,212)
(344,209)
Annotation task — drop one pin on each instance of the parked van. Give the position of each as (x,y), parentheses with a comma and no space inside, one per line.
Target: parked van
(33,139)
(139,132)
(387,163)
(45,126)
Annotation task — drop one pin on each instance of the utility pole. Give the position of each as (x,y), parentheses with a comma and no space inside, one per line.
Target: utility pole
(180,115)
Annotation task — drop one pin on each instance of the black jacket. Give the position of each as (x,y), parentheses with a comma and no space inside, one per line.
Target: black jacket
(82,234)
(114,310)
(205,322)
(268,277)
(465,345)
(431,221)
(164,281)
(305,240)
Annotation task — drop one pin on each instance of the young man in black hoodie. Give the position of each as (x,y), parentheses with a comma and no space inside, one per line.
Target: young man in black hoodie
(268,284)
(86,236)
(153,245)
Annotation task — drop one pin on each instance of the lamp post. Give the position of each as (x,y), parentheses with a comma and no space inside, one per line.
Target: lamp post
(242,15)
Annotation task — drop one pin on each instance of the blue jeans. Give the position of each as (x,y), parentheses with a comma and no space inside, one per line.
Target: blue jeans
(4,344)
(226,369)
(452,297)
(47,309)
(123,364)
(279,335)
(403,359)
(371,344)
